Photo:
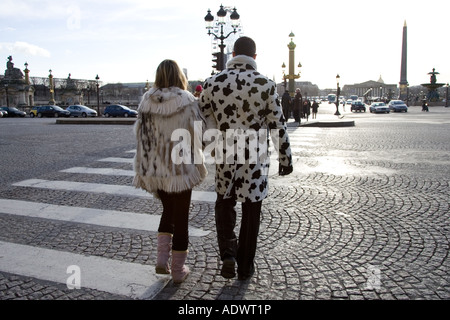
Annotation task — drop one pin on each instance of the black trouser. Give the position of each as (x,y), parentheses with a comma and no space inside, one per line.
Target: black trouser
(175,217)
(243,250)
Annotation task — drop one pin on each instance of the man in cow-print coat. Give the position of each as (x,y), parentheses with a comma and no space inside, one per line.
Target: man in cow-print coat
(241,100)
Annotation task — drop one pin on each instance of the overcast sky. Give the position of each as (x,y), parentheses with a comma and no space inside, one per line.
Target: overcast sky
(124,41)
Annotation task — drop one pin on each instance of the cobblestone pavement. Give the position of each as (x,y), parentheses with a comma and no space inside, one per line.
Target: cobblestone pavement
(365,215)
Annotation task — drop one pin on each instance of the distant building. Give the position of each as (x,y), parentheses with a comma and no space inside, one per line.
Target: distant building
(307,88)
(371,90)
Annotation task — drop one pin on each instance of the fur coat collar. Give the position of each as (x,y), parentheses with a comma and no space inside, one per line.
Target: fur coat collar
(166,101)
(242,62)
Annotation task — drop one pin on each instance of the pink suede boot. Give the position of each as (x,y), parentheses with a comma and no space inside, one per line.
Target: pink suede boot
(164,247)
(179,270)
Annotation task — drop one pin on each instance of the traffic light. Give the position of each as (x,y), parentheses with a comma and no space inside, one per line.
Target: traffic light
(217,61)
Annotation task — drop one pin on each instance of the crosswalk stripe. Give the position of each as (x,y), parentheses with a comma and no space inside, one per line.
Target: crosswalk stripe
(101,171)
(108,218)
(104,188)
(133,280)
(117,160)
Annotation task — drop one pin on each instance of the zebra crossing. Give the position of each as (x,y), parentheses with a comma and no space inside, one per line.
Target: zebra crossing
(132,280)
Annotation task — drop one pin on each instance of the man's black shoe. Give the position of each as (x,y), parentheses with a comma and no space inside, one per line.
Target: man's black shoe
(228,268)
(246,275)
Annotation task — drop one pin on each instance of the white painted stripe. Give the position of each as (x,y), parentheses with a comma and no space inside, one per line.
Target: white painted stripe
(117,160)
(117,277)
(109,218)
(104,188)
(101,171)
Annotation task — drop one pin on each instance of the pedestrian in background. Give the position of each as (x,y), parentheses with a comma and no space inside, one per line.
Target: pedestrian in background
(240,98)
(315,109)
(165,108)
(198,91)
(307,109)
(286,103)
(297,106)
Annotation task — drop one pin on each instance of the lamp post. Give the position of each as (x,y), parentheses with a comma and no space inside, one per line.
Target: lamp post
(283,67)
(291,76)
(27,73)
(338,93)
(209,20)
(52,88)
(98,94)
(446,95)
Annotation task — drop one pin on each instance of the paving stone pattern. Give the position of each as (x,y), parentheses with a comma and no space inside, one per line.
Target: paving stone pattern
(365,215)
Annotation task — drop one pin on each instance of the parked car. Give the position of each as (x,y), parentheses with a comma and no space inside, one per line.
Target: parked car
(81,111)
(51,111)
(398,106)
(13,112)
(358,106)
(117,110)
(379,107)
(3,113)
(33,112)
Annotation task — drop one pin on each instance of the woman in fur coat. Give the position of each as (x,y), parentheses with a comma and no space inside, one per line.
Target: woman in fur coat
(165,169)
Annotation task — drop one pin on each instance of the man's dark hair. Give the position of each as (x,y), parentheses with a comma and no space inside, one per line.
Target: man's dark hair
(245,46)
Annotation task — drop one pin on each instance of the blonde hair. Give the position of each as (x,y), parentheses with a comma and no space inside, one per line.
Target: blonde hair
(169,75)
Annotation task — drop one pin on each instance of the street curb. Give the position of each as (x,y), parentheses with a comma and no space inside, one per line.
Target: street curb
(323,124)
(329,124)
(102,121)
(127,121)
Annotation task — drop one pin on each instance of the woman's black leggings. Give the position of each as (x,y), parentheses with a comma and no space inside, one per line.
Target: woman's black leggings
(175,217)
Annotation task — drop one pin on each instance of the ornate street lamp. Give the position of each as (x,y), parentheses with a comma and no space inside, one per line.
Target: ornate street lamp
(27,73)
(98,94)
(446,95)
(338,93)
(52,88)
(221,16)
(291,76)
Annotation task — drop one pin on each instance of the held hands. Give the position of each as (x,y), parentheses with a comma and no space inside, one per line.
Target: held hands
(284,171)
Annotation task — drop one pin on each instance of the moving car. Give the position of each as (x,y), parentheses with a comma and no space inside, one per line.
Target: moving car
(398,106)
(81,111)
(117,110)
(13,112)
(379,107)
(51,111)
(358,106)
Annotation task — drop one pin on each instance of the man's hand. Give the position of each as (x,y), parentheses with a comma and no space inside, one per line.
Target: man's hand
(284,171)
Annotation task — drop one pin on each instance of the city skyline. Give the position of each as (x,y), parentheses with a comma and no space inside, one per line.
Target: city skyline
(124,41)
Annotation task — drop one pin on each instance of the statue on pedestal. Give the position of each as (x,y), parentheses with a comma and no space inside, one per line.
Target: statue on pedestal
(12,73)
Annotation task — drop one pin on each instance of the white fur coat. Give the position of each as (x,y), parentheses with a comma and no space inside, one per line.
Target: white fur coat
(161,112)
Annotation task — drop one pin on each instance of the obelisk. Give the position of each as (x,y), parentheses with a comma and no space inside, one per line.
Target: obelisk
(403,76)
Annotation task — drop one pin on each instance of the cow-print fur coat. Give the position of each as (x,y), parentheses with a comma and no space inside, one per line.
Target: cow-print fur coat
(161,112)
(241,98)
